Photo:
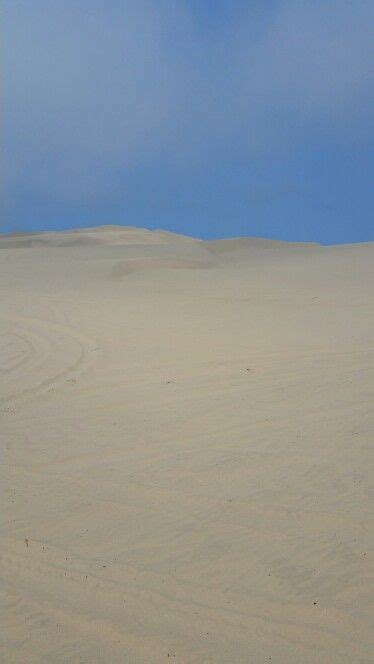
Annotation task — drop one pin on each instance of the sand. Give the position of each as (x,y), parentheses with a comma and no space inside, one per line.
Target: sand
(185,458)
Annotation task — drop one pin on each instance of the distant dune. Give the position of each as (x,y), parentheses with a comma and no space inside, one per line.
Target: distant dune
(109,235)
(186,464)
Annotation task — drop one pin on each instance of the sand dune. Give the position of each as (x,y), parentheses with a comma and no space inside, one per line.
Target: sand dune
(185,463)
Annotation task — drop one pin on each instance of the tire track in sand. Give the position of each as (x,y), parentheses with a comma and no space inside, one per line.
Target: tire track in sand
(38,354)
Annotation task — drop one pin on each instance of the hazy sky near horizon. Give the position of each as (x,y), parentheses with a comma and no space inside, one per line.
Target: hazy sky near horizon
(208,117)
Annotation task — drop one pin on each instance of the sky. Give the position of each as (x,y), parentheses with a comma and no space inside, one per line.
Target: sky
(213,118)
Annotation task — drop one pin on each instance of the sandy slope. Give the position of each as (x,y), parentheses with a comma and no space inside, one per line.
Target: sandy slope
(185,462)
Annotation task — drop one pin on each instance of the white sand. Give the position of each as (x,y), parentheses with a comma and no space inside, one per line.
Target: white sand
(185,460)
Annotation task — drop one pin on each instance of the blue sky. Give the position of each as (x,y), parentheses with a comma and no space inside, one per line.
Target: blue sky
(213,118)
